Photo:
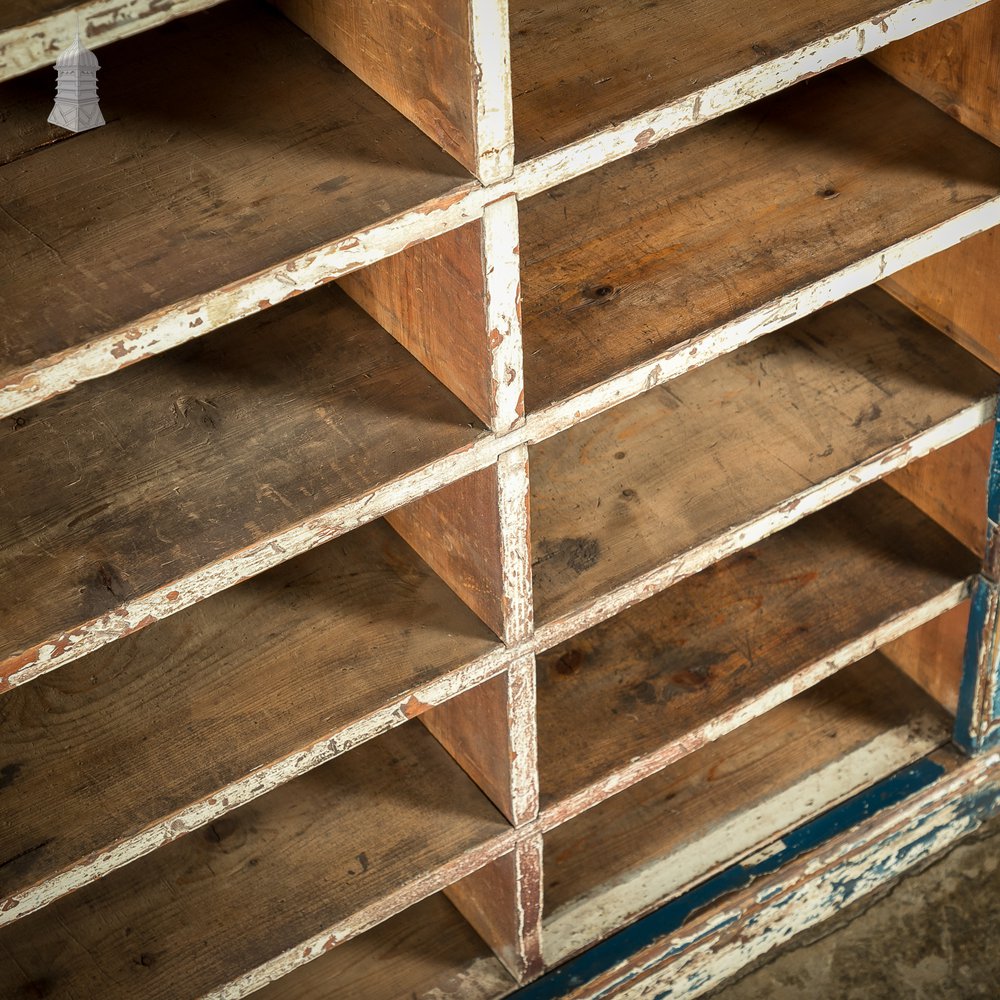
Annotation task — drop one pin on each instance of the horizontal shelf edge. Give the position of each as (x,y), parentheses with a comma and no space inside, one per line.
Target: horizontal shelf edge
(806,677)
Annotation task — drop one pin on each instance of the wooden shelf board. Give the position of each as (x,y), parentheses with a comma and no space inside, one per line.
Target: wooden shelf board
(173,727)
(273,884)
(34,32)
(426,953)
(207,196)
(655,489)
(654,265)
(151,489)
(670,674)
(596,83)
(731,798)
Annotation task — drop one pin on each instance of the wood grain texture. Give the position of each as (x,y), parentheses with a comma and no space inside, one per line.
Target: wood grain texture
(730,798)
(272,885)
(956,290)
(252,198)
(425,953)
(492,899)
(490,730)
(583,70)
(115,498)
(950,486)
(416,54)
(173,727)
(453,303)
(457,531)
(956,65)
(651,255)
(34,32)
(652,490)
(932,655)
(659,680)
(430,297)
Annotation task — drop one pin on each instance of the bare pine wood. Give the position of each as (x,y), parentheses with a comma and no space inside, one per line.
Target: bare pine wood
(457,530)
(672,673)
(175,726)
(657,838)
(652,490)
(425,953)
(34,32)
(956,291)
(252,197)
(950,485)
(270,886)
(932,655)
(453,303)
(490,731)
(692,248)
(956,65)
(142,493)
(502,901)
(589,75)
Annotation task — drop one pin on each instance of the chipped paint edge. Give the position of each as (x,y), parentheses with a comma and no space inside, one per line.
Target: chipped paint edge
(734,92)
(804,678)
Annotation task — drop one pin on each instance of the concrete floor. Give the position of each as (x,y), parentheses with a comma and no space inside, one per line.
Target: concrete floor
(931,936)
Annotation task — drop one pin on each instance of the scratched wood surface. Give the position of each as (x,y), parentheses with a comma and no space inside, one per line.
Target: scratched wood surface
(262,680)
(200,180)
(579,69)
(658,837)
(639,257)
(648,679)
(739,441)
(427,952)
(955,64)
(130,484)
(278,874)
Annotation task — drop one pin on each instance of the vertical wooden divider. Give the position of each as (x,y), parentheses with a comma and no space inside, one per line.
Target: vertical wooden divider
(445,64)
(956,66)
(453,303)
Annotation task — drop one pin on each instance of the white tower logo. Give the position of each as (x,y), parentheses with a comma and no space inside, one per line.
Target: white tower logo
(76,105)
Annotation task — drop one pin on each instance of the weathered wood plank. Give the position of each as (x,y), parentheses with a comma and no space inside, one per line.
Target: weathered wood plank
(949,485)
(425,953)
(269,887)
(673,673)
(744,926)
(185,721)
(453,303)
(252,198)
(592,84)
(956,65)
(501,900)
(653,490)
(932,655)
(656,264)
(138,495)
(490,730)
(416,54)
(730,798)
(956,291)
(34,32)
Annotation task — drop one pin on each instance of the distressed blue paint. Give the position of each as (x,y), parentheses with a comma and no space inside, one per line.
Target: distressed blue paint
(993,483)
(671,917)
(965,734)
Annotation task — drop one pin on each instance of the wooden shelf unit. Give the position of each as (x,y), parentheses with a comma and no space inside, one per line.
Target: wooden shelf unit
(354,643)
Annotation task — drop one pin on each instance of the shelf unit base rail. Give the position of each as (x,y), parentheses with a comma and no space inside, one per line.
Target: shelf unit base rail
(697,942)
